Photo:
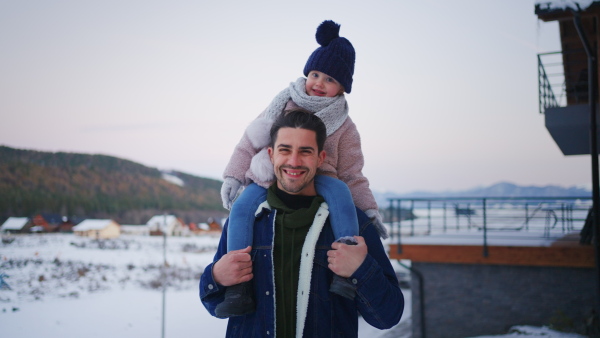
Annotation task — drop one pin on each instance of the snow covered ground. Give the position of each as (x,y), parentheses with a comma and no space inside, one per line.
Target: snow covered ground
(70,287)
(67,286)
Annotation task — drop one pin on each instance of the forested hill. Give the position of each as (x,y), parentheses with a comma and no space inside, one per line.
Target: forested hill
(99,186)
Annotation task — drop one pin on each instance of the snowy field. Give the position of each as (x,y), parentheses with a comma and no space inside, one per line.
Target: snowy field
(70,287)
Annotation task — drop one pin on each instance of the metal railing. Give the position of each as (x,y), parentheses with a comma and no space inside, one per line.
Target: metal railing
(562,79)
(486,220)
(545,87)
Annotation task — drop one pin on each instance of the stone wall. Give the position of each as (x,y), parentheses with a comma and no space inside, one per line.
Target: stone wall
(468,300)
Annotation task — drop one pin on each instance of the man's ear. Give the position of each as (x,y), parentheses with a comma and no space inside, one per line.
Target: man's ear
(322,156)
(270,151)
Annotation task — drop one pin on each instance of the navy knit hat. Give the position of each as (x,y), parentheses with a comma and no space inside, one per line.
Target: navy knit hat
(335,57)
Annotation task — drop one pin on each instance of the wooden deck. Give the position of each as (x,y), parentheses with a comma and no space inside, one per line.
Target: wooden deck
(580,256)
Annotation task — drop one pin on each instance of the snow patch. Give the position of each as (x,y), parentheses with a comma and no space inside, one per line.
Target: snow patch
(173,179)
(564,4)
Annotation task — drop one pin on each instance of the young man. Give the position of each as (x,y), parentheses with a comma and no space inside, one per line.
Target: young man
(294,256)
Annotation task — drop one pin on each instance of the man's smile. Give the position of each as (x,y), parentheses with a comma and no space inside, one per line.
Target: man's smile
(293,171)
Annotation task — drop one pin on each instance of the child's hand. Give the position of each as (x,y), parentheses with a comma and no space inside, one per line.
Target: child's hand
(229,191)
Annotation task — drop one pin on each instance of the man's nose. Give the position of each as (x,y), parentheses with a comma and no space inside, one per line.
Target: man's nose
(294,159)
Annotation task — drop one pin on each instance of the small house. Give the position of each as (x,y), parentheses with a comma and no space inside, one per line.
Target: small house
(46,222)
(98,229)
(211,227)
(138,230)
(16,225)
(167,224)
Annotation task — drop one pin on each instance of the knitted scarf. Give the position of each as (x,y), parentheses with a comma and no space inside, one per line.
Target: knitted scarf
(333,111)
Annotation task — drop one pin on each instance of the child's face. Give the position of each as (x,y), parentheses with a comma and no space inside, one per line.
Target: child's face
(321,84)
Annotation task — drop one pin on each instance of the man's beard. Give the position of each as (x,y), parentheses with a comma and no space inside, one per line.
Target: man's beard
(293,187)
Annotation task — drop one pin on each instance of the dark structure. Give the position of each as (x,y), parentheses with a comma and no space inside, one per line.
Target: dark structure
(506,262)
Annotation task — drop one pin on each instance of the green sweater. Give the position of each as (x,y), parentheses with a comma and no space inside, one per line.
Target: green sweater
(293,220)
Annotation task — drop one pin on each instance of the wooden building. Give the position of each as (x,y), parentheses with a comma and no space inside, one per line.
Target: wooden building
(98,229)
(566,105)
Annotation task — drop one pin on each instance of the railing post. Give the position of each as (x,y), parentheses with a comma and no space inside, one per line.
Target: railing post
(399,218)
(456,207)
(429,217)
(444,217)
(412,221)
(526,216)
(391,219)
(485,247)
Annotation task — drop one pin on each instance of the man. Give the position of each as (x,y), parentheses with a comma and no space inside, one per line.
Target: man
(294,257)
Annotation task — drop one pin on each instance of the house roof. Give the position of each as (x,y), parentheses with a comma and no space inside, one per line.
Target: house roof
(14,223)
(92,224)
(160,220)
(550,10)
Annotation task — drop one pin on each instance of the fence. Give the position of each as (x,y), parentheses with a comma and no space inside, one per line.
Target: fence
(506,221)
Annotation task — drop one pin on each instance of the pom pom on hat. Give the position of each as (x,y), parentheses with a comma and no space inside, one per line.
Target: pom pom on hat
(335,57)
(326,32)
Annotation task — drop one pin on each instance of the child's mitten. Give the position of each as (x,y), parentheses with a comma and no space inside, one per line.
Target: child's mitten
(377,220)
(229,191)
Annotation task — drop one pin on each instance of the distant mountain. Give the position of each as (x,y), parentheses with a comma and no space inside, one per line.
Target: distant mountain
(99,186)
(502,189)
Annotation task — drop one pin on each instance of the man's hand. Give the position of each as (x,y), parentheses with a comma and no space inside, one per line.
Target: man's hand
(233,268)
(345,259)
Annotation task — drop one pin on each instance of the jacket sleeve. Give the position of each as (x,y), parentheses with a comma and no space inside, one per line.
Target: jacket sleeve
(379,298)
(349,167)
(240,160)
(211,293)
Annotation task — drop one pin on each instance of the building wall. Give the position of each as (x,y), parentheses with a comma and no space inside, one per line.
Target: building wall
(112,230)
(464,300)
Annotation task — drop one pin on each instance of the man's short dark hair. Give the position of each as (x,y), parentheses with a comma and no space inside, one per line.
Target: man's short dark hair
(300,119)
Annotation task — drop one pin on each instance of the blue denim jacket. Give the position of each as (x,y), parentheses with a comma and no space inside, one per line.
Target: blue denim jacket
(378,296)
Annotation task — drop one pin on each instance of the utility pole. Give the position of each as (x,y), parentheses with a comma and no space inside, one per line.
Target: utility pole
(592,94)
(164,273)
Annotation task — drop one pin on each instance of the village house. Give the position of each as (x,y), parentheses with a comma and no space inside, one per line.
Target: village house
(139,230)
(210,227)
(168,225)
(16,225)
(46,222)
(98,229)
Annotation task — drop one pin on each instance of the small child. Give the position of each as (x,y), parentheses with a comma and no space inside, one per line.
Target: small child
(329,72)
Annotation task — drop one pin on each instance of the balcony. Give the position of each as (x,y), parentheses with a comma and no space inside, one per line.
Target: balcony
(564,99)
(533,231)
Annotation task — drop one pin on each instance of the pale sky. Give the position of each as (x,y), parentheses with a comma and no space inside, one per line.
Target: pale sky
(444,93)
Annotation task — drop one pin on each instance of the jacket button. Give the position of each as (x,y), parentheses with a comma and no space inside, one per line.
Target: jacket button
(267,293)
(210,286)
(354,281)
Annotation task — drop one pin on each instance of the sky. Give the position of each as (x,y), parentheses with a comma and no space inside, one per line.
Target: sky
(445,93)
